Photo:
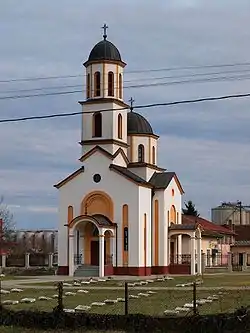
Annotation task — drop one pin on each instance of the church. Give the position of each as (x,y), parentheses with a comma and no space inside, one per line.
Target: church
(120,212)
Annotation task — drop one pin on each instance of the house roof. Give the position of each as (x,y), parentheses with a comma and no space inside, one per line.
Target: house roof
(182,226)
(207,226)
(242,243)
(242,232)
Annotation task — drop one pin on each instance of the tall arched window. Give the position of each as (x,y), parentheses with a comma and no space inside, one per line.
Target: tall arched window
(119,126)
(110,84)
(70,214)
(140,153)
(172,214)
(153,155)
(120,86)
(97,124)
(97,86)
(88,86)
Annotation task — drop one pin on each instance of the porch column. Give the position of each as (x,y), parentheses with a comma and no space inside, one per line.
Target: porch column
(71,253)
(101,255)
(113,250)
(199,262)
(169,250)
(192,250)
(179,249)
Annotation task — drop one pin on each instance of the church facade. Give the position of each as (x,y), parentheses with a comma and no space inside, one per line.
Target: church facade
(118,211)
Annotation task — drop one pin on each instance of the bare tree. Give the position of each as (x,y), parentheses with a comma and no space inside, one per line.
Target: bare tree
(8,224)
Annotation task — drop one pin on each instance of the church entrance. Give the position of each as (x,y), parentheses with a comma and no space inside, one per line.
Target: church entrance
(94,260)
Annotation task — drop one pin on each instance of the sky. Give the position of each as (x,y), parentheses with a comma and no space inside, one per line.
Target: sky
(206,144)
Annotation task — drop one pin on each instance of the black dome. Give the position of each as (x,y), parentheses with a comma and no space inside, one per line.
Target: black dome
(105,50)
(137,124)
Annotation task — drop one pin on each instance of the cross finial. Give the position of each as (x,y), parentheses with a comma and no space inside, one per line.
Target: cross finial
(131,103)
(105,27)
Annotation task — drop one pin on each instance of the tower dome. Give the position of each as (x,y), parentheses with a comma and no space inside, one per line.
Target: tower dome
(104,50)
(137,124)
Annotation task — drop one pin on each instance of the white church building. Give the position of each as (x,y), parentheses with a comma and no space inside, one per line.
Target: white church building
(119,213)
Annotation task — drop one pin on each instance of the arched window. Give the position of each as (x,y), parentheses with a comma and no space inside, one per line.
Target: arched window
(88,86)
(140,153)
(153,155)
(70,214)
(97,124)
(120,86)
(172,214)
(97,80)
(110,84)
(119,126)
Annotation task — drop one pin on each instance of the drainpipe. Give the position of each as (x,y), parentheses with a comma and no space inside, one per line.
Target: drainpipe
(152,222)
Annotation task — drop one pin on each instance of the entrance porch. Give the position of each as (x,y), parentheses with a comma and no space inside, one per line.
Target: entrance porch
(185,254)
(91,248)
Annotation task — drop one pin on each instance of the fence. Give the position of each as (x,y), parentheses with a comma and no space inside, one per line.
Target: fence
(38,259)
(15,260)
(217,260)
(29,260)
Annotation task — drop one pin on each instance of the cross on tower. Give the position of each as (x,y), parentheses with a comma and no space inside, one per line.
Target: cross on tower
(105,27)
(131,103)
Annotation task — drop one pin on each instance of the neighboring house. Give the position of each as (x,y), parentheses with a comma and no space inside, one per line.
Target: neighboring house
(242,239)
(215,242)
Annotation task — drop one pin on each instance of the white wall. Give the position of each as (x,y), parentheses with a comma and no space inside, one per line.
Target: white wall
(175,200)
(121,190)
(148,142)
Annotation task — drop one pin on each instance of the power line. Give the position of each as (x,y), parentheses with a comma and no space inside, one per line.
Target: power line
(188,101)
(136,79)
(134,71)
(225,78)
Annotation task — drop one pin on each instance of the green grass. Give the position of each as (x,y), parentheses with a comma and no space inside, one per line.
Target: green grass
(15,329)
(154,304)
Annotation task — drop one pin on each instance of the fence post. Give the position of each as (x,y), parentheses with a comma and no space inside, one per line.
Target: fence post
(203,263)
(244,267)
(229,262)
(3,260)
(194,298)
(126,298)
(50,260)
(27,260)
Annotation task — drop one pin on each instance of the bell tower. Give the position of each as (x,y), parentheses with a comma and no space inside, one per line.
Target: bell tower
(104,118)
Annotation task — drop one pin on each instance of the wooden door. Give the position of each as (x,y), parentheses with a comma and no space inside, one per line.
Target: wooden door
(94,253)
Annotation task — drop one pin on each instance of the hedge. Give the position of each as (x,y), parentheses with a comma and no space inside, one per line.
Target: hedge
(31,271)
(237,322)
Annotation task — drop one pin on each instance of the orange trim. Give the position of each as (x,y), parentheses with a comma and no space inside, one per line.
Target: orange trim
(124,224)
(70,177)
(70,214)
(120,86)
(145,240)
(156,231)
(98,202)
(119,126)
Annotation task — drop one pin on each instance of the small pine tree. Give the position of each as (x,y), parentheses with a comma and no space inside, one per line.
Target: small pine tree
(190,209)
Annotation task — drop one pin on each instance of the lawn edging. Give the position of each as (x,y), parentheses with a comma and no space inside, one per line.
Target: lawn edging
(240,320)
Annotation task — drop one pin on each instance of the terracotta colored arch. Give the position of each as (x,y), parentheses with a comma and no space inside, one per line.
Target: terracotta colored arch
(98,202)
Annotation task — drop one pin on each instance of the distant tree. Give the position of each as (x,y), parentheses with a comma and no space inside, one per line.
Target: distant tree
(8,225)
(190,209)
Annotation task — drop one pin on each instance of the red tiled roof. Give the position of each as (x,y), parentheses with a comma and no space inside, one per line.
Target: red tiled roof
(206,225)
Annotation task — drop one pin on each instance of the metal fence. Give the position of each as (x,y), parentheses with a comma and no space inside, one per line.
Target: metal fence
(38,259)
(180,259)
(216,260)
(15,260)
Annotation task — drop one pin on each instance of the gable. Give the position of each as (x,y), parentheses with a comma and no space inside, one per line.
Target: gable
(161,180)
(69,178)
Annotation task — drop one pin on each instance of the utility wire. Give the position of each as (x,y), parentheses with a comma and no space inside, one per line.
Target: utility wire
(215,79)
(188,101)
(135,71)
(136,79)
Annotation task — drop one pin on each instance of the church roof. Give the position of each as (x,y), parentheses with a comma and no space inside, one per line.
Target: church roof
(129,174)
(137,124)
(161,180)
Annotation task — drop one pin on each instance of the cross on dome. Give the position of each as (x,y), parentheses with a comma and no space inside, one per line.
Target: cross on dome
(105,28)
(131,100)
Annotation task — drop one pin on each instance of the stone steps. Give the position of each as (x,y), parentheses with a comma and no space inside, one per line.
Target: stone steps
(87,270)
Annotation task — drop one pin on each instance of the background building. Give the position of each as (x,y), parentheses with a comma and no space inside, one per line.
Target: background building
(231,213)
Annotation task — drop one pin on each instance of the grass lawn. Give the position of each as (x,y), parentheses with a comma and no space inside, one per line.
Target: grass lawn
(154,304)
(223,280)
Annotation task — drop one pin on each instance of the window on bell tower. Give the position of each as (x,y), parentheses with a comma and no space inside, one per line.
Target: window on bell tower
(110,84)
(88,86)
(97,84)
(120,86)
(97,124)
(140,153)
(119,126)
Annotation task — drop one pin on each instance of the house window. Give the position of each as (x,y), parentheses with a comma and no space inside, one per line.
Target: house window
(119,126)
(97,124)
(110,84)
(120,86)
(140,153)
(88,86)
(97,82)
(153,155)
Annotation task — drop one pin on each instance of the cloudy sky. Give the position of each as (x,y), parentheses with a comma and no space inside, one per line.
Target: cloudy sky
(207,144)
